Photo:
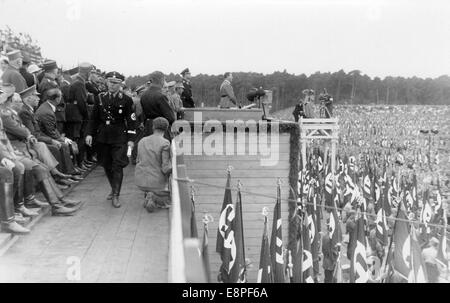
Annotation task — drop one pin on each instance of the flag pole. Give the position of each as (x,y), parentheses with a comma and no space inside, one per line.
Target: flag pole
(239,187)
(387,259)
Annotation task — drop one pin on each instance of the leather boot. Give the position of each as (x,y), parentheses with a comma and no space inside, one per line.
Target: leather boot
(30,199)
(60,195)
(7,211)
(116,184)
(57,207)
(19,202)
(108,174)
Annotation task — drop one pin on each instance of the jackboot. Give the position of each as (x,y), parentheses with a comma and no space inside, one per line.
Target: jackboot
(116,184)
(19,202)
(7,211)
(29,190)
(109,175)
(57,207)
(64,201)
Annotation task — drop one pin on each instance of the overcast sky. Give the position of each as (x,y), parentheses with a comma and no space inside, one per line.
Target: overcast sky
(380,38)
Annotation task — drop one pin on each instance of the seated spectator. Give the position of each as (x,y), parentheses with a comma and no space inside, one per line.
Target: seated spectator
(154,167)
(61,153)
(22,158)
(47,123)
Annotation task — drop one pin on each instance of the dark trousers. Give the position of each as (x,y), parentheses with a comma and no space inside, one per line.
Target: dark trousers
(113,158)
(139,136)
(75,132)
(432,273)
(64,158)
(329,276)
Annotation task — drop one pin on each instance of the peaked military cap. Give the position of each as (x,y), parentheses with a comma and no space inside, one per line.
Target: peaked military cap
(185,71)
(85,66)
(13,55)
(72,71)
(140,88)
(8,88)
(179,85)
(96,71)
(115,76)
(29,92)
(49,65)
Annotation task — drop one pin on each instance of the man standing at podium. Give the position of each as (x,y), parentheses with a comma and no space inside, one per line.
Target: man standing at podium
(186,95)
(227,97)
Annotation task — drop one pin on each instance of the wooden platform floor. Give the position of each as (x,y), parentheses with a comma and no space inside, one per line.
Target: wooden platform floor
(112,245)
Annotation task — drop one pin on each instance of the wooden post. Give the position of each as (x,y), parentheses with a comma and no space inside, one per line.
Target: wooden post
(303,143)
(333,155)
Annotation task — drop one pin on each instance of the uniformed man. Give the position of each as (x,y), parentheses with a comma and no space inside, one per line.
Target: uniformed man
(94,88)
(77,111)
(12,74)
(38,170)
(186,96)
(114,125)
(10,171)
(227,97)
(140,120)
(49,82)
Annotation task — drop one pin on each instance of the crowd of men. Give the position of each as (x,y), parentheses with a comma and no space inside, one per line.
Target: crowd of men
(57,124)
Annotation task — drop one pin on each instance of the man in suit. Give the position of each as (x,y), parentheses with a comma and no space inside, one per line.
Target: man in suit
(186,95)
(155,104)
(227,97)
(60,152)
(47,123)
(77,111)
(114,125)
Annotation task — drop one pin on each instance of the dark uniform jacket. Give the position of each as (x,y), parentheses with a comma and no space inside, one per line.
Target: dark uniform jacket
(155,104)
(76,105)
(28,118)
(93,90)
(113,120)
(6,149)
(47,121)
(17,133)
(186,95)
(27,76)
(49,83)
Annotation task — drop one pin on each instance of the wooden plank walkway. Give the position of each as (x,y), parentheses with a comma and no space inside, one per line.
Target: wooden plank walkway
(113,245)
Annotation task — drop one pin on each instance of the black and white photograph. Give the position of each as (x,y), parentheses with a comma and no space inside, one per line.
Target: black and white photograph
(213,142)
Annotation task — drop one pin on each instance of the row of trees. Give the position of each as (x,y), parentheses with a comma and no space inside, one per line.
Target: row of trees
(347,88)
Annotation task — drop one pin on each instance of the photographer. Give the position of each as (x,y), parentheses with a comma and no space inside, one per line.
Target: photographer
(299,111)
(326,102)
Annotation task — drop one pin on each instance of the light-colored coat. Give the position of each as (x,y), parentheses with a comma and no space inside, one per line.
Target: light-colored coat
(153,164)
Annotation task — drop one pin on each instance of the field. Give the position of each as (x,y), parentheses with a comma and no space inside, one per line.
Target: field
(387,128)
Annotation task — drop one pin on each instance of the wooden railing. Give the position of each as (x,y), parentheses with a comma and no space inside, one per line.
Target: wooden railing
(185,260)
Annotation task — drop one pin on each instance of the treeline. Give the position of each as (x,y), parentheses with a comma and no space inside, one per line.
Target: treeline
(347,88)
